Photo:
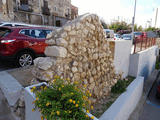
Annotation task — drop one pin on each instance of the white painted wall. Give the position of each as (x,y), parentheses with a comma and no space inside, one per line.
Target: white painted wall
(126,102)
(143,63)
(122,56)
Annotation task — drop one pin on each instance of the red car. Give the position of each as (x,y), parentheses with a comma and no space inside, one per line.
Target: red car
(22,44)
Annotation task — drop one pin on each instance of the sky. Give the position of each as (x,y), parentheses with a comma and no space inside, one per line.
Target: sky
(111,10)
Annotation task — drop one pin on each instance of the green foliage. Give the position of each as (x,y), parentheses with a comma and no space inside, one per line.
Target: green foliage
(157,65)
(121,85)
(63,100)
(117,26)
(105,26)
(151,29)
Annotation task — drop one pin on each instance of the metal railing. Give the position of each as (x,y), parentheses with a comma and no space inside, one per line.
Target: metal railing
(141,44)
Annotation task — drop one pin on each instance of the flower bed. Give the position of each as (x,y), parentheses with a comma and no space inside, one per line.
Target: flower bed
(60,99)
(116,91)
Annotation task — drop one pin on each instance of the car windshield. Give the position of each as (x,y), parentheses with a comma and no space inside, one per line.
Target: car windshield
(137,33)
(4,32)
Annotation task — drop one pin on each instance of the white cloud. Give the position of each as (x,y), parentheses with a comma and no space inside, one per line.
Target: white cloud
(111,9)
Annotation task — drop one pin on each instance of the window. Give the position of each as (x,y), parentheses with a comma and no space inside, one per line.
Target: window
(19,25)
(4,32)
(8,25)
(36,33)
(58,23)
(24,2)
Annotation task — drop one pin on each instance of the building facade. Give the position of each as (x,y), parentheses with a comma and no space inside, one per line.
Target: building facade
(45,12)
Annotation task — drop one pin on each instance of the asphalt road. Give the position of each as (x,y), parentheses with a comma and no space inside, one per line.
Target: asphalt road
(6,65)
(151,110)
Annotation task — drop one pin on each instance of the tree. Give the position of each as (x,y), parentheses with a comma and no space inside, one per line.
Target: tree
(118,26)
(105,26)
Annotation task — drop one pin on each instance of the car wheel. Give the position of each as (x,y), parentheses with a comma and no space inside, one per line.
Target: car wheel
(24,59)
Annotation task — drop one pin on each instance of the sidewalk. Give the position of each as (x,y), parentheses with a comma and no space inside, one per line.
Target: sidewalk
(5,113)
(148,84)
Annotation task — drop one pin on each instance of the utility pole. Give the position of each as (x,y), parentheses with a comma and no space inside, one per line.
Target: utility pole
(133,20)
(156,18)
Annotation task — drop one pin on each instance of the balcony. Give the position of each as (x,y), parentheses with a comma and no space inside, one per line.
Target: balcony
(45,11)
(24,7)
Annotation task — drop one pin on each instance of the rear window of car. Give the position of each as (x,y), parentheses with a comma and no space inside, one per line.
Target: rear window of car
(4,32)
(36,33)
(10,25)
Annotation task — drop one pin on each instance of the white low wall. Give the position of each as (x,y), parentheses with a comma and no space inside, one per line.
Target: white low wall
(126,102)
(122,53)
(143,63)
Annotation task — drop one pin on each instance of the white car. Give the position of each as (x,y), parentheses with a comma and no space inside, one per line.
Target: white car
(109,33)
(12,24)
(117,36)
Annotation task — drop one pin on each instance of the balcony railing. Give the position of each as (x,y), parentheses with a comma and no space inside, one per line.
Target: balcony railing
(141,44)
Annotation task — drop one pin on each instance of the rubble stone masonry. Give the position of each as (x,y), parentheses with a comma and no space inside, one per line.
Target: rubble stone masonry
(79,51)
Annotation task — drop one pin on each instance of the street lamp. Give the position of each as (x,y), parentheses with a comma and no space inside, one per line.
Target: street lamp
(133,20)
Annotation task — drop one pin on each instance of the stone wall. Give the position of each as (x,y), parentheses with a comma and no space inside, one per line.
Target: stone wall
(79,51)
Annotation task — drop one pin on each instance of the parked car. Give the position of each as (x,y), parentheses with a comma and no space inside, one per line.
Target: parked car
(109,33)
(127,36)
(22,44)
(158,90)
(117,36)
(12,24)
(137,34)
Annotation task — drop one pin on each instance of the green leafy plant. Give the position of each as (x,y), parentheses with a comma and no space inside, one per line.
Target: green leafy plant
(63,100)
(121,85)
(157,65)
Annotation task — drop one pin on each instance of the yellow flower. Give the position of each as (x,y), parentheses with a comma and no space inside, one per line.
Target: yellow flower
(70,100)
(37,98)
(87,111)
(87,116)
(74,102)
(92,117)
(34,87)
(76,105)
(77,101)
(59,89)
(33,110)
(56,77)
(32,90)
(85,86)
(41,117)
(41,87)
(92,107)
(72,93)
(70,111)
(62,86)
(68,79)
(90,94)
(83,105)
(45,87)
(76,82)
(58,113)
(47,104)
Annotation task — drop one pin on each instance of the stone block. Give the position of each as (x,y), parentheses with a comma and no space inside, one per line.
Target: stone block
(55,51)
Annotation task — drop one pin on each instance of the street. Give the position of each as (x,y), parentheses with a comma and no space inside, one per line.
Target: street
(151,110)
(5,65)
